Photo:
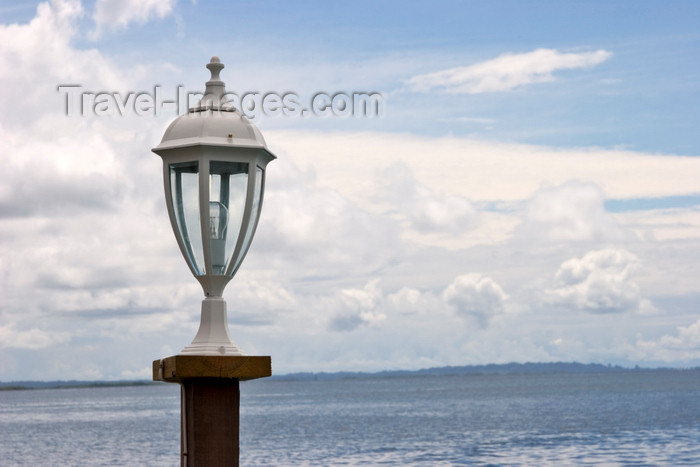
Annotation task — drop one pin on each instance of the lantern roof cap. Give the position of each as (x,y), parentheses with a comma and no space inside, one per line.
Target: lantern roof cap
(213,121)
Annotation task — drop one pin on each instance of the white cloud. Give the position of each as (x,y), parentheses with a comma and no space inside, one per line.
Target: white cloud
(480,170)
(600,281)
(317,230)
(507,71)
(663,224)
(81,174)
(67,189)
(423,208)
(410,301)
(33,338)
(37,57)
(684,346)
(261,290)
(473,295)
(118,14)
(354,307)
(573,211)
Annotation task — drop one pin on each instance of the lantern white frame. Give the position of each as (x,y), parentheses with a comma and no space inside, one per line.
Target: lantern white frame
(214,131)
(255,158)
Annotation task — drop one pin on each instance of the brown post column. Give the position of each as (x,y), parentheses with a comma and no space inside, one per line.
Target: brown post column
(210,403)
(210,419)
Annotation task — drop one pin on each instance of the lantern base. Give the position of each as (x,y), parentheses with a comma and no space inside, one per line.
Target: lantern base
(213,337)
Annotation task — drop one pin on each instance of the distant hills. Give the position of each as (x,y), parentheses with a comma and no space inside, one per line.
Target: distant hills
(70,384)
(490,369)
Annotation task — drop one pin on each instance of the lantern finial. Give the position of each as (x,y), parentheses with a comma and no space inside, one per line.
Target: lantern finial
(215,67)
(215,91)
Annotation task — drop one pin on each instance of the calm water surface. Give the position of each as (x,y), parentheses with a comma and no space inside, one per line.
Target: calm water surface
(625,418)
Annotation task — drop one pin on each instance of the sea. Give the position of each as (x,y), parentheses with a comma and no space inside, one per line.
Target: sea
(640,418)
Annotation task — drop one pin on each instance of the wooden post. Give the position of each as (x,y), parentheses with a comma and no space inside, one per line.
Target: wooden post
(210,403)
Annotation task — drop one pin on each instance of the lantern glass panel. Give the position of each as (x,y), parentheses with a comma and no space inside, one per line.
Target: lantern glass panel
(184,190)
(228,184)
(254,215)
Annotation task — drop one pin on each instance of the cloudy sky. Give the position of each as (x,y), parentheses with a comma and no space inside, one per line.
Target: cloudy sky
(530,191)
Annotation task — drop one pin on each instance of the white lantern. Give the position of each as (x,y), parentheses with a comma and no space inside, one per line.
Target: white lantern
(214,163)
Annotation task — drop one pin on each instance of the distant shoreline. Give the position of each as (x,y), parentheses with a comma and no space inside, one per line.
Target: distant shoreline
(489,369)
(24,385)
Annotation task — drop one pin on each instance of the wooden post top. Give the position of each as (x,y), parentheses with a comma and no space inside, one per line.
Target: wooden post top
(242,367)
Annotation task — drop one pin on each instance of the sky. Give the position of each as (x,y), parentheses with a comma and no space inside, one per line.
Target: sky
(525,188)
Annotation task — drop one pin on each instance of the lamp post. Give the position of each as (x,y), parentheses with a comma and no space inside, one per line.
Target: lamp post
(214,163)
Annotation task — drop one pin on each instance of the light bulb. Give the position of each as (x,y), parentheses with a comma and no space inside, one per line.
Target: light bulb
(218,222)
